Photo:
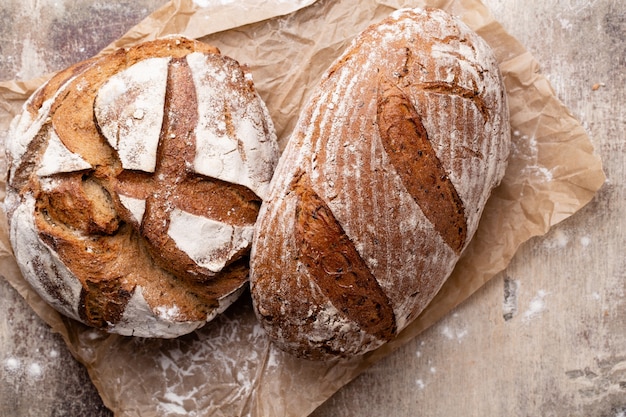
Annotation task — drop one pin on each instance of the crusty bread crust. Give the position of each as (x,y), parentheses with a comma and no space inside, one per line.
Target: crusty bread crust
(134,185)
(392,161)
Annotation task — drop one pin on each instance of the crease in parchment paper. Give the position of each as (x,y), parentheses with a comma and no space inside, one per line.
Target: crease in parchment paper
(228,367)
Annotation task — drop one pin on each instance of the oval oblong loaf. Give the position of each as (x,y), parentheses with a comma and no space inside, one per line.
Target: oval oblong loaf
(381,186)
(134,184)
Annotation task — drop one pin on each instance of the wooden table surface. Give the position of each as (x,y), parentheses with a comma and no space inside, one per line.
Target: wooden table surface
(546,337)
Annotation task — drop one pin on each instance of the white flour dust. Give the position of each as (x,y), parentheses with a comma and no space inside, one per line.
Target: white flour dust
(558,240)
(457,334)
(15,366)
(536,307)
(525,147)
(12,364)
(34,370)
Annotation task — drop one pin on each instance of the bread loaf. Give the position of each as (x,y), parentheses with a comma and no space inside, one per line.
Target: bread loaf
(135,181)
(380,187)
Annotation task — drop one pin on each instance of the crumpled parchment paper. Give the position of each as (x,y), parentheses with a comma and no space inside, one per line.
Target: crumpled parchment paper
(228,368)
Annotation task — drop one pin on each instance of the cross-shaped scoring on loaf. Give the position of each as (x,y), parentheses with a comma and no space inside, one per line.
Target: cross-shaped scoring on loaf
(135,182)
(144,112)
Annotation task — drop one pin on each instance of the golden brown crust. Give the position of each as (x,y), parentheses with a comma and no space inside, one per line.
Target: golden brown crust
(406,143)
(400,146)
(335,266)
(106,227)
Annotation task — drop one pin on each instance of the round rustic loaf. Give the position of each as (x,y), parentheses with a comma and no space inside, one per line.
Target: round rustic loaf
(380,187)
(135,181)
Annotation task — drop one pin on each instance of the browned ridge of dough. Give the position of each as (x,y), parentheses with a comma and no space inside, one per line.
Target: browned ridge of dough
(55,83)
(405,140)
(232,203)
(337,268)
(452,89)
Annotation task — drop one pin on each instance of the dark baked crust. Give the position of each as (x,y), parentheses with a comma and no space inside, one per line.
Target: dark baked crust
(393,157)
(405,140)
(335,266)
(104,256)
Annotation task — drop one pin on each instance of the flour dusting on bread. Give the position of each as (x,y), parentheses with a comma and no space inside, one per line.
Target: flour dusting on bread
(111,221)
(402,140)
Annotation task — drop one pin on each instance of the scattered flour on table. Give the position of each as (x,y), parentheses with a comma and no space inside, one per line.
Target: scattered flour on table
(12,364)
(35,370)
(536,307)
(558,240)
(418,353)
(585,241)
(457,334)
(509,304)
(32,62)
(565,24)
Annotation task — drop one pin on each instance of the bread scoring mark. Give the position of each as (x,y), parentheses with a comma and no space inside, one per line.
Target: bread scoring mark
(406,143)
(455,89)
(57,85)
(336,266)
(451,88)
(21,171)
(174,187)
(28,130)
